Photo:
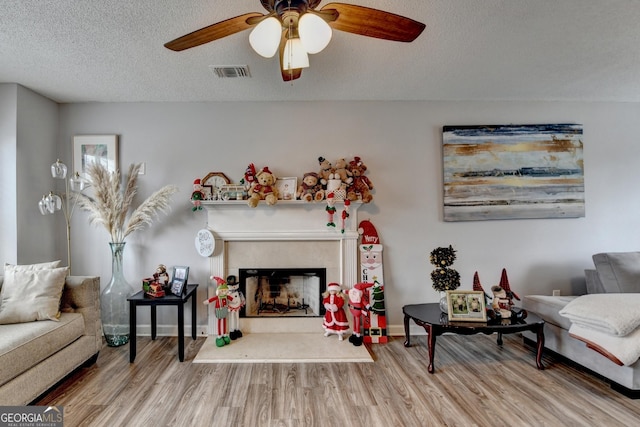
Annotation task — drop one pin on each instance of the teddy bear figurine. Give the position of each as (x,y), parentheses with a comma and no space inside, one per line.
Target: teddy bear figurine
(325,171)
(341,172)
(310,190)
(263,188)
(361,185)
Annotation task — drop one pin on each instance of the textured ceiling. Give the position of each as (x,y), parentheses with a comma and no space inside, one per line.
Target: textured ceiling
(112,50)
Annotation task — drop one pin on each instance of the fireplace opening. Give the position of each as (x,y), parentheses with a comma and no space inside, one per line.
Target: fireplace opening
(282,292)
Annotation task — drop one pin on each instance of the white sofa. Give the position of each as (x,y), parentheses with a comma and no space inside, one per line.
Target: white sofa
(614,273)
(34,356)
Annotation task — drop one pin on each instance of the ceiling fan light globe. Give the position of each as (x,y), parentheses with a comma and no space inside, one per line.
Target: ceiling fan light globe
(265,37)
(314,32)
(295,55)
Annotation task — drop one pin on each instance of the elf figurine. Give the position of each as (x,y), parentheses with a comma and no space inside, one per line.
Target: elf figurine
(236,302)
(335,318)
(221,310)
(344,215)
(331,209)
(359,306)
(197,196)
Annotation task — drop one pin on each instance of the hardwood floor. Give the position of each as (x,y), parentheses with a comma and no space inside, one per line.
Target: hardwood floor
(476,383)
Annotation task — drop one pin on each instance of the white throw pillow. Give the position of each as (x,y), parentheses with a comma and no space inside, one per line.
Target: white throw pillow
(31,294)
(39,266)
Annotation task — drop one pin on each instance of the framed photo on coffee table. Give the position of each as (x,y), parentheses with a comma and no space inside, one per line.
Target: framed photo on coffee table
(179,280)
(466,306)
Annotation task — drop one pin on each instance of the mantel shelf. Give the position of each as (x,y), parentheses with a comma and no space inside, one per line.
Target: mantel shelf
(214,204)
(287,219)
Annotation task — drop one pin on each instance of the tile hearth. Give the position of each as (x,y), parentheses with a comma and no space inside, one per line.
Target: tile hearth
(283,348)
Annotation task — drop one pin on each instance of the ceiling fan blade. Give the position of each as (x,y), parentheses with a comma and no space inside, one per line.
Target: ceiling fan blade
(374,23)
(214,32)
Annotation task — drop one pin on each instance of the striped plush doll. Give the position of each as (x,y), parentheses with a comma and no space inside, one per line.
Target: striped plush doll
(221,310)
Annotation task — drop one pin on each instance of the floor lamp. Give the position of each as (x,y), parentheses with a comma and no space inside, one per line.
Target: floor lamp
(52,202)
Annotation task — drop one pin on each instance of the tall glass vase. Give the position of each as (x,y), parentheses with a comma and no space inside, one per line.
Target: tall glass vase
(113,301)
(444,305)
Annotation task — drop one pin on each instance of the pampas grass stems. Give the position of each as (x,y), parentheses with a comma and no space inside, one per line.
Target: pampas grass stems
(110,205)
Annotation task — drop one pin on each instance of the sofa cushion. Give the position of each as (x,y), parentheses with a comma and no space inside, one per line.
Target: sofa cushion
(548,308)
(619,271)
(38,266)
(24,345)
(593,282)
(31,294)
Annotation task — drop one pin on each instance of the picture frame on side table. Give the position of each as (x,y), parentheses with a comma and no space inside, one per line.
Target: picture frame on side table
(287,187)
(466,306)
(179,280)
(89,149)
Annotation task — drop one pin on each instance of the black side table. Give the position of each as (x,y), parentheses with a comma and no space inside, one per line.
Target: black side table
(141,299)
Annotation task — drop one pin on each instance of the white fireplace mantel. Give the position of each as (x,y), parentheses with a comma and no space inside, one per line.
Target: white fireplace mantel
(287,220)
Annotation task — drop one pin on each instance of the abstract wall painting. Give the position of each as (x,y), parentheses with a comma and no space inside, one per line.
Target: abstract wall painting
(513,172)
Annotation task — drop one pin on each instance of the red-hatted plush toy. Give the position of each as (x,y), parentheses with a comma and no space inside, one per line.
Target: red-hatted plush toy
(359,306)
(197,196)
(331,209)
(335,318)
(221,310)
(263,188)
(249,175)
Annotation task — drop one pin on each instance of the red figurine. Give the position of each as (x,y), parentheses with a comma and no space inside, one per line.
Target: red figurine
(335,318)
(359,306)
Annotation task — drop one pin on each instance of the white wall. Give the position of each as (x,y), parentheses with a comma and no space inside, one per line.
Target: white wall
(28,136)
(8,216)
(41,238)
(401,144)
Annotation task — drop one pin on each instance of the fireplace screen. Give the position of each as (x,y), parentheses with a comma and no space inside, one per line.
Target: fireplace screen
(282,292)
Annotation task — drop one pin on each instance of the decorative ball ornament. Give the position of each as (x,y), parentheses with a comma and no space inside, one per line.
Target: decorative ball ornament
(205,242)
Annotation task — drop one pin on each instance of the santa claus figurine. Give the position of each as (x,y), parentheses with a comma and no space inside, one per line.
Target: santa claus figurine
(335,318)
(221,311)
(359,306)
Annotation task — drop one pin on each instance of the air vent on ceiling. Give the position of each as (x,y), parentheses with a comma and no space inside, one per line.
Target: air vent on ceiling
(231,71)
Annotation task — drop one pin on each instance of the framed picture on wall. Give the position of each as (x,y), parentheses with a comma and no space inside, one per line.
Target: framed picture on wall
(497,172)
(89,149)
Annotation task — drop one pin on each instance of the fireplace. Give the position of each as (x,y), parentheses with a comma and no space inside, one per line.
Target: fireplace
(290,235)
(282,292)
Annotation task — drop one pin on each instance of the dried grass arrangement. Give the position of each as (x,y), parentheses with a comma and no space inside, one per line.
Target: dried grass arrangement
(111,203)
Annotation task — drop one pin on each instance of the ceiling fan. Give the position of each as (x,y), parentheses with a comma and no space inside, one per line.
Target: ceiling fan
(295,28)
